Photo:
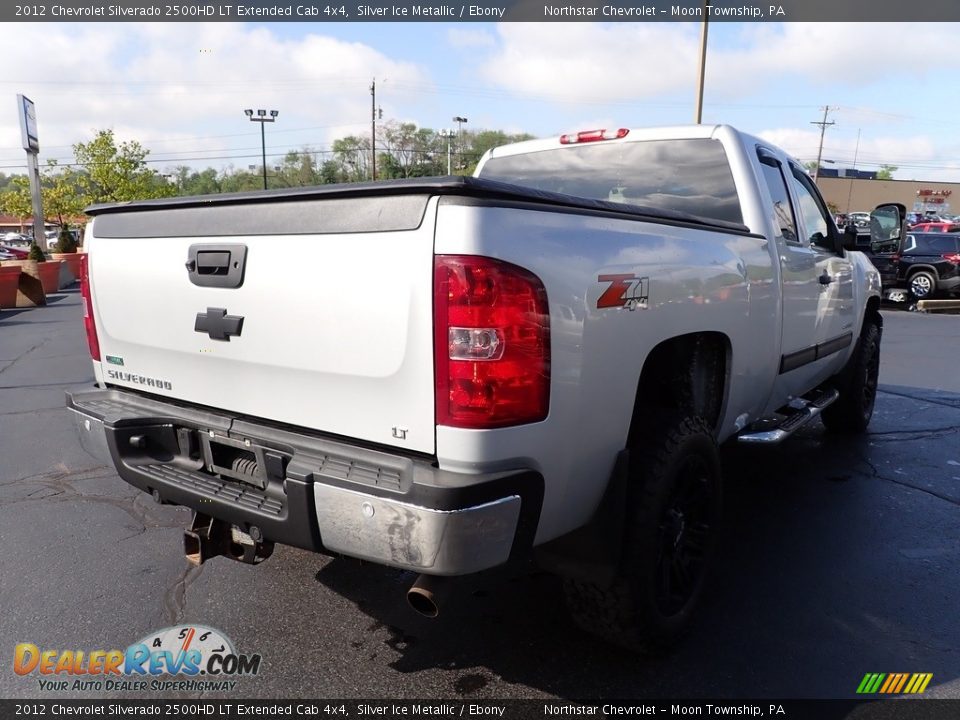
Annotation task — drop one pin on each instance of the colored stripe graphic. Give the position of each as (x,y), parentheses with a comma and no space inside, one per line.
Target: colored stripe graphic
(875,685)
(903,681)
(894,683)
(922,680)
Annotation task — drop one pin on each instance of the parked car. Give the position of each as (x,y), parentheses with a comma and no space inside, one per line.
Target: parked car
(11,253)
(13,238)
(861,220)
(936,227)
(916,218)
(927,264)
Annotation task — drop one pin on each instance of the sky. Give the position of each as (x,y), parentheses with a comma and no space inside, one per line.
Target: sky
(180,89)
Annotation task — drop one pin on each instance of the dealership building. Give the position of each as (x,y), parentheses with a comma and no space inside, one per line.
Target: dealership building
(855,193)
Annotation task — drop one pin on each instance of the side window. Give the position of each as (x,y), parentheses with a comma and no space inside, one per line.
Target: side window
(815,218)
(781,202)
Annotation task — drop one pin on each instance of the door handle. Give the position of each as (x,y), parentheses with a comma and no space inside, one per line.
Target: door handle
(216,265)
(213,263)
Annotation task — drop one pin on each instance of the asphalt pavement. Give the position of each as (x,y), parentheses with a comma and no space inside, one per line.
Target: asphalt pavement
(839,558)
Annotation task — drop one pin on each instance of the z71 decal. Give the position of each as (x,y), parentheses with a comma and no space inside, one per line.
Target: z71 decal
(626,291)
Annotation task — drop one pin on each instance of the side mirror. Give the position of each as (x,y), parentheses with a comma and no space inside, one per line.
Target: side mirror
(887,224)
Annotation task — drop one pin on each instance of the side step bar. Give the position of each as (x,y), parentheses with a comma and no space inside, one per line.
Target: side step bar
(796,418)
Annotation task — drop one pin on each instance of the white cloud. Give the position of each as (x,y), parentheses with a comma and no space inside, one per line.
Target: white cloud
(590,61)
(469,39)
(181,88)
(869,153)
(636,61)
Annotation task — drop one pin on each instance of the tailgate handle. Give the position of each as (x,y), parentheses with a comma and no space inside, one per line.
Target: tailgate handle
(212,263)
(216,265)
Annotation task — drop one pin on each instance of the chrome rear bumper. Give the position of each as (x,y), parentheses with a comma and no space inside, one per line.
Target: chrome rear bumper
(322,495)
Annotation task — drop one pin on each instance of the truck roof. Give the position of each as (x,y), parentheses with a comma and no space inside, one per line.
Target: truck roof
(669,132)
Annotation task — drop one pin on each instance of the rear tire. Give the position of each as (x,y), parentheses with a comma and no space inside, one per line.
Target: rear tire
(857,385)
(672,520)
(923,284)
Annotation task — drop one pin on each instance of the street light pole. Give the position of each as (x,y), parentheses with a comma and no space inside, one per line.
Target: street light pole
(459,121)
(261,117)
(447,134)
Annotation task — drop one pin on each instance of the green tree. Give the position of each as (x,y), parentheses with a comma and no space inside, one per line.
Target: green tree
(297,169)
(16,200)
(886,172)
(5,181)
(352,156)
(329,172)
(242,180)
(60,196)
(117,173)
(477,143)
(409,151)
(205,182)
(61,193)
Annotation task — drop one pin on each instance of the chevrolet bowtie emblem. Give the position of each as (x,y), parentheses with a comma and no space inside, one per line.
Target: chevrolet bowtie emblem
(218,325)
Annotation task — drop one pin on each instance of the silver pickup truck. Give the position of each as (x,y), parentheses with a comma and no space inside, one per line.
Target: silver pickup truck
(456,374)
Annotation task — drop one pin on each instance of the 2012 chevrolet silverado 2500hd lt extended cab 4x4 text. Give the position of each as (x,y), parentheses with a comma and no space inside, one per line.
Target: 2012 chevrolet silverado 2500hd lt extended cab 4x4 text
(455,374)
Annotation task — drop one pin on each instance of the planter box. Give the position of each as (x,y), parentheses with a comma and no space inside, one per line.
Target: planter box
(9,281)
(72,263)
(49,275)
(29,288)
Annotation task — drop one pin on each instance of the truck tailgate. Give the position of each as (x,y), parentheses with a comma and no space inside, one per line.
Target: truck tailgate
(335,300)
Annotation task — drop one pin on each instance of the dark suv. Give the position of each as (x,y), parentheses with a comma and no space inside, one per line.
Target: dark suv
(928,264)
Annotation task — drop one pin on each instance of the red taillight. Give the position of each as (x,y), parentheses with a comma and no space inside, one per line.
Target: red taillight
(492,343)
(593,136)
(952,258)
(88,322)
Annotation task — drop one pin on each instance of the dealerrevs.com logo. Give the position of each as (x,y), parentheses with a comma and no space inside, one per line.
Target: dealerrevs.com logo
(197,657)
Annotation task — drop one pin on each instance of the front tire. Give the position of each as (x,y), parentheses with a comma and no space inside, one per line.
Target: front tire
(672,524)
(857,385)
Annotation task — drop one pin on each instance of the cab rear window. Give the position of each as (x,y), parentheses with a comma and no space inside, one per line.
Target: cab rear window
(691,175)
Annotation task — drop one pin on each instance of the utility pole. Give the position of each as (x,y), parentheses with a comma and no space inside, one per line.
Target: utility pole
(703,64)
(373,129)
(823,128)
(856,152)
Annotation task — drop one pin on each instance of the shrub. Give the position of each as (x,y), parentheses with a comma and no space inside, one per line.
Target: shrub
(66,243)
(36,253)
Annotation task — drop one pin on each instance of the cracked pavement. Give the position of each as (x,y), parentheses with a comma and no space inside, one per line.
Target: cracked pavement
(839,558)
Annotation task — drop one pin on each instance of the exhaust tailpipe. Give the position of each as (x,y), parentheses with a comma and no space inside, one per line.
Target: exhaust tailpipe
(428,593)
(209,537)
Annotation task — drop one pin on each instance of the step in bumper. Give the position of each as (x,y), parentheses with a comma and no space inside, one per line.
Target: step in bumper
(313,492)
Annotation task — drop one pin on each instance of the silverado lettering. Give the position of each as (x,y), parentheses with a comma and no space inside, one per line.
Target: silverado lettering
(139,379)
